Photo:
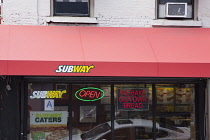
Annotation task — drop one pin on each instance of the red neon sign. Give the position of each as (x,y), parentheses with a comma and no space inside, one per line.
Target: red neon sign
(89,94)
(131,99)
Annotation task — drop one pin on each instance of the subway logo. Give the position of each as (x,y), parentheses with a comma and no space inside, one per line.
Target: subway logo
(74,68)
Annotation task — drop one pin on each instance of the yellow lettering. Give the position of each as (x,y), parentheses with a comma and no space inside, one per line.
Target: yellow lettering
(49,94)
(59,94)
(37,115)
(83,69)
(77,68)
(55,94)
(88,68)
(64,91)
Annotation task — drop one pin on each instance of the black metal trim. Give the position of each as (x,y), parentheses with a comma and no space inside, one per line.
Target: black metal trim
(200,109)
(22,117)
(112,111)
(24,109)
(116,80)
(193,9)
(157,4)
(154,104)
(54,5)
(70,120)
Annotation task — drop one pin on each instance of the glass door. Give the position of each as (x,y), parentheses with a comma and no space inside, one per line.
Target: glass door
(91,109)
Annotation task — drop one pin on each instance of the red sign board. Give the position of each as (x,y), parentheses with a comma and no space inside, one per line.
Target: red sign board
(133,99)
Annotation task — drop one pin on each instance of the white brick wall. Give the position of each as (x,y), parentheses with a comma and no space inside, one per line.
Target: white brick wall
(25,12)
(204,12)
(125,13)
(109,13)
(20,12)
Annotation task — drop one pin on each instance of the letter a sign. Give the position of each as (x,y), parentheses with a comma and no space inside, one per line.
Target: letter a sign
(49,105)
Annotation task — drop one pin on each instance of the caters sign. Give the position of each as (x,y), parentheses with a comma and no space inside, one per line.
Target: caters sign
(133,99)
(89,94)
(43,122)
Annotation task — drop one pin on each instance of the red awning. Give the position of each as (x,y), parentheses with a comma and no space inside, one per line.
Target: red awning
(139,52)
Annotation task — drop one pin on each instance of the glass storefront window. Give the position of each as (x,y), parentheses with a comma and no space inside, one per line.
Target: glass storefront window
(137,107)
(176,110)
(47,111)
(133,114)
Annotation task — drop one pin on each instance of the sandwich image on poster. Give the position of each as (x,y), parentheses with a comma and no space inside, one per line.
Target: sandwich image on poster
(165,95)
(48,125)
(184,95)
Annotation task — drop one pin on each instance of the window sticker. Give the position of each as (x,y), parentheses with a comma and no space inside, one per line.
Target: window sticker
(47,94)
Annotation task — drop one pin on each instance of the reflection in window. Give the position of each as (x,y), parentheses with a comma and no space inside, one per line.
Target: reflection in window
(143,133)
(176,110)
(96,131)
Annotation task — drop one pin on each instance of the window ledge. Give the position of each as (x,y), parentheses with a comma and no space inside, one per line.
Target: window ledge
(183,23)
(87,20)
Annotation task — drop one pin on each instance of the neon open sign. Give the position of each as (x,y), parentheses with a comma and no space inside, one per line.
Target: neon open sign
(89,94)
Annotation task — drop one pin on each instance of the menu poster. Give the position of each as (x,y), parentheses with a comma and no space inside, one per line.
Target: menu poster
(184,95)
(165,95)
(43,124)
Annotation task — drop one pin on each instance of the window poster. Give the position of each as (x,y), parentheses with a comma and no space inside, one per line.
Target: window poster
(184,95)
(131,99)
(43,124)
(165,95)
(107,95)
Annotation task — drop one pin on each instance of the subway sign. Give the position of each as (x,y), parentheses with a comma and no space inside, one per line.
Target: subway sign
(74,68)
(89,94)
(47,94)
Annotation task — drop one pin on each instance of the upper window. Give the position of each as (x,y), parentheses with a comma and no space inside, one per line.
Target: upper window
(72,8)
(175,9)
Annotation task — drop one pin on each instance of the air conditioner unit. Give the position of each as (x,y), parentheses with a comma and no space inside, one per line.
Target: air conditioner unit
(176,10)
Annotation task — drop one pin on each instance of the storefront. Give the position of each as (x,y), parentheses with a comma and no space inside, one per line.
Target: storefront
(108,83)
(114,108)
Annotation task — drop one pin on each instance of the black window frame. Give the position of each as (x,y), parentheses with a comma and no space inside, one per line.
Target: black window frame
(191,2)
(55,13)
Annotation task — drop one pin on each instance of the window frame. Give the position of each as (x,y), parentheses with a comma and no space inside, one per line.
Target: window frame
(90,10)
(158,3)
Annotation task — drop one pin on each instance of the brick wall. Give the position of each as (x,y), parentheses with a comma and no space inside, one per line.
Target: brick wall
(25,12)
(109,13)
(204,12)
(125,13)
